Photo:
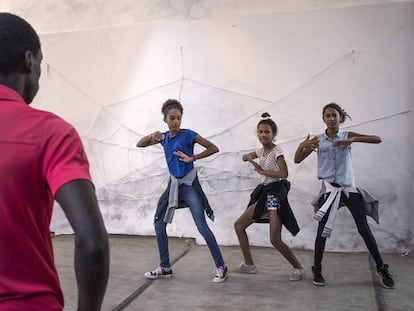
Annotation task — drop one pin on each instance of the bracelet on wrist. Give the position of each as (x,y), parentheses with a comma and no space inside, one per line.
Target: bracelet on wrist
(194,157)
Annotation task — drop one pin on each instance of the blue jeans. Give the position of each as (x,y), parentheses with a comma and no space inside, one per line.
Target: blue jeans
(194,202)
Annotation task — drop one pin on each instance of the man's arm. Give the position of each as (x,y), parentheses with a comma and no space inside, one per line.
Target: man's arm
(78,200)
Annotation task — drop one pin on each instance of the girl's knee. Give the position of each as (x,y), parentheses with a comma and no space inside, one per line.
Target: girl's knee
(160,226)
(364,231)
(202,227)
(239,226)
(205,231)
(277,243)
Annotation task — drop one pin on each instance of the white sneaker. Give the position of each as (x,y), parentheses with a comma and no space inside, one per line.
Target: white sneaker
(221,274)
(243,268)
(297,274)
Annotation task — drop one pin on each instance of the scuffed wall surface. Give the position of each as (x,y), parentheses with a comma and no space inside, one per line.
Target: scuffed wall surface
(49,16)
(228,65)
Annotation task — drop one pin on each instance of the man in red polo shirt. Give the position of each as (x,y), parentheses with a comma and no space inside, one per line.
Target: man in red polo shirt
(42,159)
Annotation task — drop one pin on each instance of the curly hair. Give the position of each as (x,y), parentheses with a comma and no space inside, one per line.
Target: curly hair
(342,113)
(170,104)
(16,36)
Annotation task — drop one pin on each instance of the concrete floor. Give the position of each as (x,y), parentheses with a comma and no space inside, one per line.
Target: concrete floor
(351,282)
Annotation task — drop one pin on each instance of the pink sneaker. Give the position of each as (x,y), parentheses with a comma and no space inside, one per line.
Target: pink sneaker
(159,273)
(221,274)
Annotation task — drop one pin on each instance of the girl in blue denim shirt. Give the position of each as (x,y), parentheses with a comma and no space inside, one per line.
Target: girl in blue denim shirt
(183,188)
(333,148)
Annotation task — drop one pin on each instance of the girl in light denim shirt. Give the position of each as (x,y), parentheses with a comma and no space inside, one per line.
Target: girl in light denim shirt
(335,170)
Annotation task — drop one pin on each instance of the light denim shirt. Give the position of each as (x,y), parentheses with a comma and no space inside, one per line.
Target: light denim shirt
(335,163)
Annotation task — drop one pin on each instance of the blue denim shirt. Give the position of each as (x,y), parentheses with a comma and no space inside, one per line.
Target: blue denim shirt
(335,163)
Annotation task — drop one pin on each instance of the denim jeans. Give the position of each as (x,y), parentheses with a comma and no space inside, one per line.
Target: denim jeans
(194,202)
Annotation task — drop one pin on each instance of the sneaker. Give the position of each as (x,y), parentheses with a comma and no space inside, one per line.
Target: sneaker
(385,277)
(221,274)
(243,268)
(318,279)
(159,273)
(297,274)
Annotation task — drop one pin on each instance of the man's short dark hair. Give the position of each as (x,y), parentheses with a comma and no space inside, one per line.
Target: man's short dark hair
(16,37)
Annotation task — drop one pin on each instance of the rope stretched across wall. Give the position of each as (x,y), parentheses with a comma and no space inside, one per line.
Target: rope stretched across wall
(106,141)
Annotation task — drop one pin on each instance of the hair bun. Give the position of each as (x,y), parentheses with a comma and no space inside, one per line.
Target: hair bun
(265,115)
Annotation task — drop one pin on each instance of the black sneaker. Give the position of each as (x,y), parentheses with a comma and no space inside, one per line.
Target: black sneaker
(385,277)
(318,279)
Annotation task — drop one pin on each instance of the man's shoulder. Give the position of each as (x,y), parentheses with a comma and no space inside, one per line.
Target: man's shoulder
(49,120)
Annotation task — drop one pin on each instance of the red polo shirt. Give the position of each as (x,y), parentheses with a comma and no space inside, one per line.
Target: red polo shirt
(39,152)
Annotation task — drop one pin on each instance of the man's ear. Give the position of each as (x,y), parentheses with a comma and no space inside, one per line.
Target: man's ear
(28,61)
